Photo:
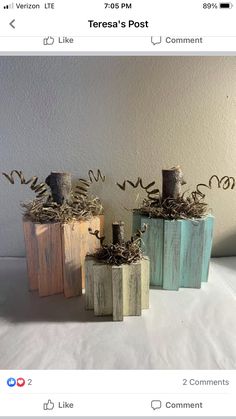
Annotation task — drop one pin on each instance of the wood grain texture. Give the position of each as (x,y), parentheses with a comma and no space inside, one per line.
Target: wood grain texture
(192,248)
(50,273)
(74,246)
(152,245)
(61,186)
(172,181)
(117,292)
(102,275)
(77,243)
(179,250)
(196,242)
(172,254)
(118,232)
(31,247)
(145,281)
(56,255)
(89,286)
(132,290)
(208,238)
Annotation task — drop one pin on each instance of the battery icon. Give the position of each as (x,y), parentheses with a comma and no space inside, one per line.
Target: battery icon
(226,5)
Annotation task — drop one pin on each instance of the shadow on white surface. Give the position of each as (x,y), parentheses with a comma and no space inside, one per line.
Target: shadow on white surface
(185,329)
(18,304)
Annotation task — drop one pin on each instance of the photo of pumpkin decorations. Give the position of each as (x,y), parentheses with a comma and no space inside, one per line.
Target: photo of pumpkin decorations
(66,251)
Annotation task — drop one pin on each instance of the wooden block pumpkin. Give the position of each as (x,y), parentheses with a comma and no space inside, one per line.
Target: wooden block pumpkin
(56,254)
(56,225)
(117,291)
(179,250)
(178,239)
(117,277)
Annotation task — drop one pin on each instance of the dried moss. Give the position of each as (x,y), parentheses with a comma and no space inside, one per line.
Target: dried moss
(183,207)
(118,254)
(46,212)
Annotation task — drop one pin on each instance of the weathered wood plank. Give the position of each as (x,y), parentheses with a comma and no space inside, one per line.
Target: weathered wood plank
(145,281)
(31,247)
(117,293)
(172,254)
(77,244)
(208,238)
(152,245)
(192,249)
(89,283)
(132,290)
(154,250)
(50,274)
(74,250)
(102,290)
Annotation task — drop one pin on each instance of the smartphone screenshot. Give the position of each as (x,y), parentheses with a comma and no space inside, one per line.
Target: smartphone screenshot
(117,209)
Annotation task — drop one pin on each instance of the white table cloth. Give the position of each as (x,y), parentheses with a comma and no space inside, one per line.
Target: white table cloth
(188,329)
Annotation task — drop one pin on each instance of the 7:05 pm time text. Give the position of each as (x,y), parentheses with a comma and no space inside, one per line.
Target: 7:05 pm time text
(118,6)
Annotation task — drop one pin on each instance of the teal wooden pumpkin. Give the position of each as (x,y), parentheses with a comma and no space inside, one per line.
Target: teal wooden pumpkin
(179,250)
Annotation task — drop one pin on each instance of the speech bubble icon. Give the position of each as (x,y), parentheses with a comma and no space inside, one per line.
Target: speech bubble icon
(156,404)
(156,40)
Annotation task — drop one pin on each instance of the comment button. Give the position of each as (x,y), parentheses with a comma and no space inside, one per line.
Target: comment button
(156,404)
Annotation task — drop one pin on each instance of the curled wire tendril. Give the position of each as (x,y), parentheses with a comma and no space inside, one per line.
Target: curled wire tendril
(152,194)
(96,234)
(226,182)
(82,188)
(40,189)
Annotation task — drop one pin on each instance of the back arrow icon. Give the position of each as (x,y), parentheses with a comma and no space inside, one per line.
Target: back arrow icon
(12,24)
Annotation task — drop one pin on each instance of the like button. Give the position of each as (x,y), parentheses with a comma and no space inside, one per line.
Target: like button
(49,405)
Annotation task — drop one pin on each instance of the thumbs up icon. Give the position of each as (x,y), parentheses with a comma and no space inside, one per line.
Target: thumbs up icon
(49,405)
(11,382)
(48,41)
